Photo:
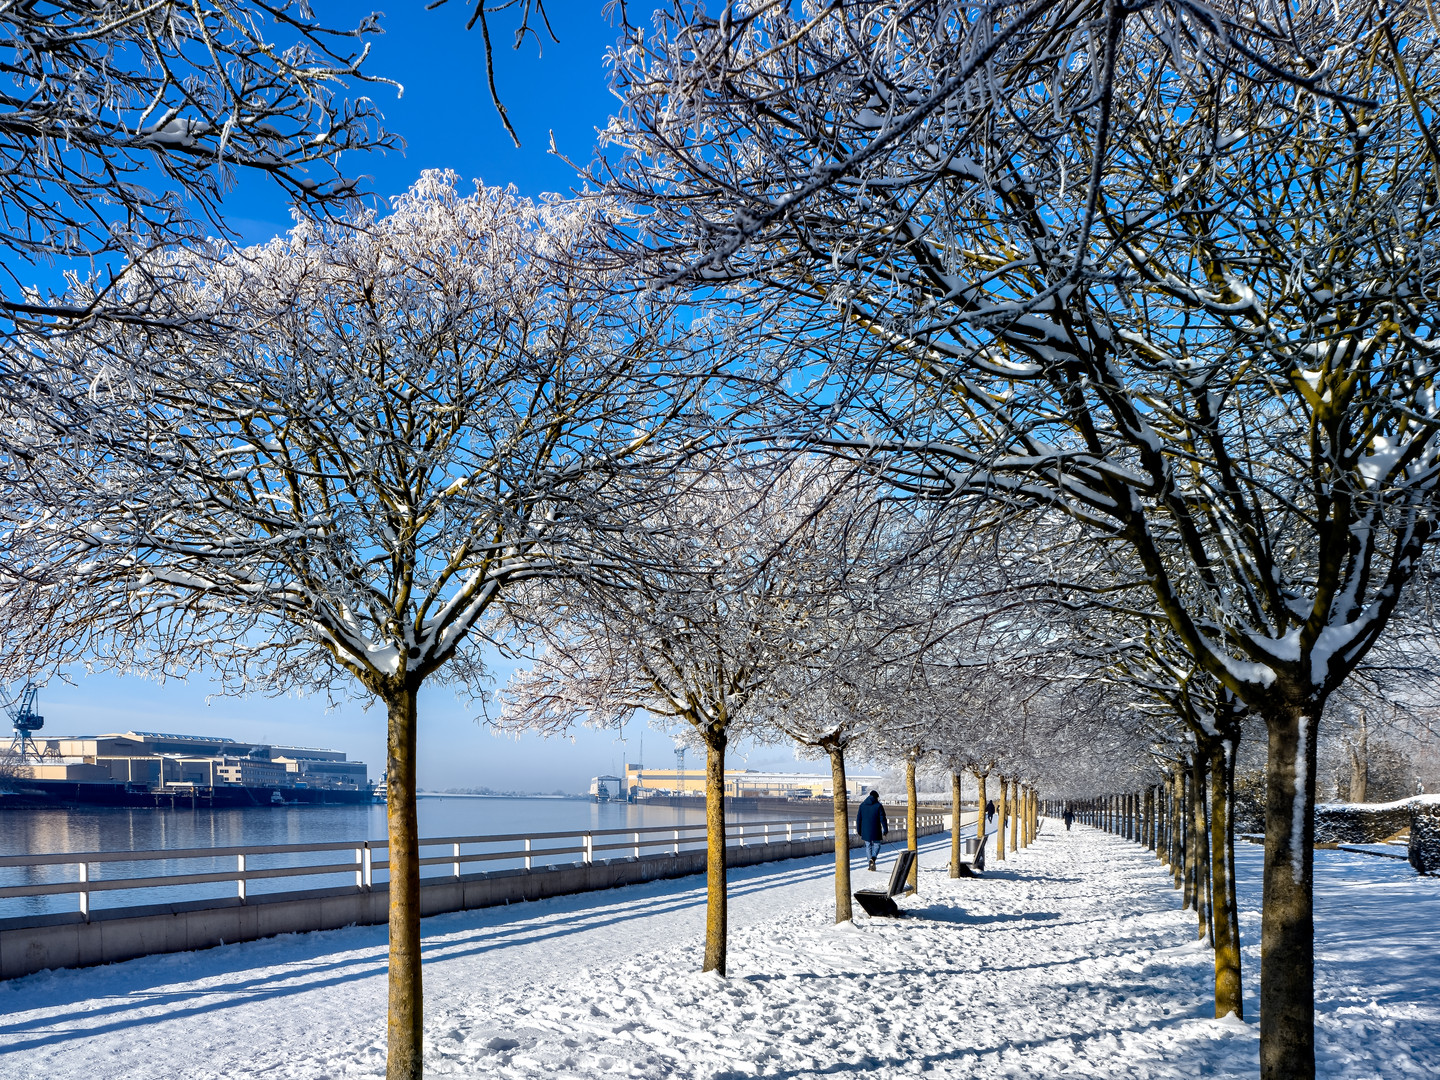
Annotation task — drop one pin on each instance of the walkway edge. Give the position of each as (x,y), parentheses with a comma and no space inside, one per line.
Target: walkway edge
(127,934)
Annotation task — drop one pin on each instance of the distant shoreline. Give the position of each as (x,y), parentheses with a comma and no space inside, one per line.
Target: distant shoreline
(491,795)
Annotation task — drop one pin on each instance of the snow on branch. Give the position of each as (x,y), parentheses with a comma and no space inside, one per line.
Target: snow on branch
(409,415)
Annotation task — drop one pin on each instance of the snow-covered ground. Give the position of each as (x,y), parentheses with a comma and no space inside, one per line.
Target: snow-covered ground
(1070,959)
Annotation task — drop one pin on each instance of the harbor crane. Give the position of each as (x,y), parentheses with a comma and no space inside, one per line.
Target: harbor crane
(26,721)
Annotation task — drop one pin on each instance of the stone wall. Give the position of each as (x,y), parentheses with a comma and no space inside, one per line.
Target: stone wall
(1360,823)
(1425,835)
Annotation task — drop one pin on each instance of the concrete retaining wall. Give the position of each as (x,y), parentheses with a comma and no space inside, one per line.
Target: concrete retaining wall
(65,941)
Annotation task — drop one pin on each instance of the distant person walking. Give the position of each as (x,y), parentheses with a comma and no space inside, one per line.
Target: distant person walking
(872,825)
(982,827)
(1068,817)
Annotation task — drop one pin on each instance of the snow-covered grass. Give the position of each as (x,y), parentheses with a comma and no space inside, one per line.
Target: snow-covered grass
(1069,959)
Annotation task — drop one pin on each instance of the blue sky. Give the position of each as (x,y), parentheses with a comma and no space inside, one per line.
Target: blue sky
(448,121)
(445,114)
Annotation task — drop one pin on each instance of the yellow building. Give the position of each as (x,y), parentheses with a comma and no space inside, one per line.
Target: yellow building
(740,783)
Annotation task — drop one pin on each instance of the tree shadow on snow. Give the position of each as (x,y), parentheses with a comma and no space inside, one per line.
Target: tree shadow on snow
(948,914)
(1001,873)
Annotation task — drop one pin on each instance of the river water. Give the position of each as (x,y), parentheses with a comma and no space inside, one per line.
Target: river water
(56,830)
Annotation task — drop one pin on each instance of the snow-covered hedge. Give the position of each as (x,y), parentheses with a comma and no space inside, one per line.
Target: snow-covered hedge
(1425,834)
(1360,823)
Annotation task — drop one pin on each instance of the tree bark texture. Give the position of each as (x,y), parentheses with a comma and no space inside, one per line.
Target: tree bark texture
(1162,823)
(406,1027)
(716,898)
(1229,997)
(1201,830)
(957,806)
(980,837)
(1000,811)
(912,823)
(841,800)
(1177,828)
(1187,789)
(1287,920)
(1359,747)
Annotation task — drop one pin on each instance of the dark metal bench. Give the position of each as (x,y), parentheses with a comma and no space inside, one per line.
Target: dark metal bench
(878,901)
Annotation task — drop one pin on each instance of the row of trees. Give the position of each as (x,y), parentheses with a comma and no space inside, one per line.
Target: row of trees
(922,378)
(1162,268)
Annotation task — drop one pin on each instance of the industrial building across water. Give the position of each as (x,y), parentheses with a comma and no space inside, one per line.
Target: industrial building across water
(148,768)
(640,783)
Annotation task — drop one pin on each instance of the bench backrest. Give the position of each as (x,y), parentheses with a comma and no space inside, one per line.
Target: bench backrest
(903,862)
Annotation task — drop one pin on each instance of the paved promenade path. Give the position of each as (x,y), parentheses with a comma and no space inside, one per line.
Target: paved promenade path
(1072,958)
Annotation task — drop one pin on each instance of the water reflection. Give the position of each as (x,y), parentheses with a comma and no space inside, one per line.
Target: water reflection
(54,830)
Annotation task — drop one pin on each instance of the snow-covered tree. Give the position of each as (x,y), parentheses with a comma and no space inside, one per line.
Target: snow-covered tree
(411,415)
(827,714)
(762,118)
(1141,281)
(125,120)
(887,610)
(124,123)
(726,586)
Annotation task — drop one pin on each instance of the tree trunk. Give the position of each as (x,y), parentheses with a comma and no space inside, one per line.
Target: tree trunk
(912,823)
(1201,830)
(1287,920)
(1359,747)
(1157,826)
(716,915)
(841,800)
(1000,810)
(1177,824)
(980,837)
(1162,822)
(1014,813)
(957,808)
(1191,883)
(405,1036)
(1229,997)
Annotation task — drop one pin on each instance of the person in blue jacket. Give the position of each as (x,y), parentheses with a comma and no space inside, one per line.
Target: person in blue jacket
(872,825)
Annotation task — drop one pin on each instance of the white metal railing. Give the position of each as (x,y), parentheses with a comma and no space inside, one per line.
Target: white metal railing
(523,849)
